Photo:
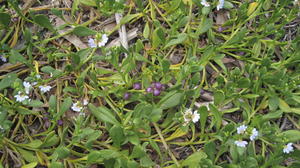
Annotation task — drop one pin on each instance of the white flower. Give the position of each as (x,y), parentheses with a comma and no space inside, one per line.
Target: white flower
(3,59)
(76,107)
(288,148)
(21,97)
(85,102)
(205,3)
(101,43)
(220,5)
(45,88)
(92,43)
(38,76)
(241,143)
(27,87)
(241,129)
(254,134)
(189,115)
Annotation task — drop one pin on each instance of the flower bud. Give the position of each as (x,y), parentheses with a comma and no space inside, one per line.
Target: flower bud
(137,86)
(156,92)
(126,96)
(149,90)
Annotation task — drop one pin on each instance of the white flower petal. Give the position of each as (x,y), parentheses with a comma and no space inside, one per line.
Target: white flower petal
(241,129)
(241,143)
(254,134)
(195,117)
(76,107)
(45,88)
(205,3)
(220,5)
(92,43)
(288,148)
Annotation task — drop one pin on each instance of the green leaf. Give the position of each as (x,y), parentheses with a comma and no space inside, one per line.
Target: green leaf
(155,114)
(146,162)
(27,155)
(284,106)
(194,159)
(128,18)
(8,80)
(15,57)
(34,144)
(51,140)
(158,37)
(30,165)
(5,19)
(103,114)
(228,5)
(272,115)
(35,103)
(273,103)
(178,40)
(62,152)
(56,165)
(83,31)
(204,26)
(117,135)
(219,97)
(203,117)
(170,100)
(43,21)
(64,107)
(217,116)
(88,2)
(243,83)
(291,135)
(237,37)
(52,103)
(146,31)
(210,150)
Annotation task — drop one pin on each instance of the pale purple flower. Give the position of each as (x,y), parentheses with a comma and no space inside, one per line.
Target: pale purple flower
(241,129)
(3,59)
(45,88)
(21,97)
(205,3)
(92,43)
(288,148)
(254,134)
(77,106)
(220,5)
(241,143)
(27,87)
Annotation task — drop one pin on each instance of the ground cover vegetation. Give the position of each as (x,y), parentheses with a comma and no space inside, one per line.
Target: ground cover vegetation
(150,83)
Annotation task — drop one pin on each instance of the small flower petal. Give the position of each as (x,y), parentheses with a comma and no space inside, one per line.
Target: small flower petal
(45,88)
(254,134)
(220,5)
(288,148)
(92,43)
(241,129)
(205,3)
(76,107)
(241,143)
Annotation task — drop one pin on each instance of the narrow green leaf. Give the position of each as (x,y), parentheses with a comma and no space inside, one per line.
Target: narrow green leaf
(103,114)
(170,100)
(43,21)
(291,135)
(178,40)
(8,80)
(83,31)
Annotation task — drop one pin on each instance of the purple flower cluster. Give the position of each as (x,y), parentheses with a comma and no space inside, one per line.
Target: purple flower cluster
(155,88)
